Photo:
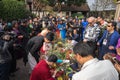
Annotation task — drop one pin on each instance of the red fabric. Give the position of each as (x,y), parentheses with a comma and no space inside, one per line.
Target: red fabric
(41,72)
(42,51)
(58,33)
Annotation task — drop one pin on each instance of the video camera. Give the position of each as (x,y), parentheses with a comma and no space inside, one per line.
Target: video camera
(7,36)
(112,58)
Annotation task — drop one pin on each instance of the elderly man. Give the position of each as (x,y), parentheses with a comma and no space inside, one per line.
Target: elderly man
(92,68)
(91,32)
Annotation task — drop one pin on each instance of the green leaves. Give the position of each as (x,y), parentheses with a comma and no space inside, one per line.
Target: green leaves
(12,9)
(79,15)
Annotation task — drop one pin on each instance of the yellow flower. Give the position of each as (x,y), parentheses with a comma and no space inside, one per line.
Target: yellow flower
(60,78)
(60,44)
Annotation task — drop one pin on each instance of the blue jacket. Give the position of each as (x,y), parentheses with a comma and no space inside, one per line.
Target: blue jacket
(62,28)
(113,40)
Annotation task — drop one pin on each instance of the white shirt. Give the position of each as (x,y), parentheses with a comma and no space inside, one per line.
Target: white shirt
(91,33)
(97,70)
(73,43)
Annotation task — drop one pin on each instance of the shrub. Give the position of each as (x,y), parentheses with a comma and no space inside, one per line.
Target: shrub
(13,9)
(77,14)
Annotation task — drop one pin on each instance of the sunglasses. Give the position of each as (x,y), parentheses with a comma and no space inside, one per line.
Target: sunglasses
(90,22)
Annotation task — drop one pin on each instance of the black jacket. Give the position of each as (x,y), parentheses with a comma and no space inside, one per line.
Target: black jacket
(34,45)
(5,55)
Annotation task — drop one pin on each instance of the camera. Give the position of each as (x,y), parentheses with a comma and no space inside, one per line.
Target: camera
(7,36)
(112,58)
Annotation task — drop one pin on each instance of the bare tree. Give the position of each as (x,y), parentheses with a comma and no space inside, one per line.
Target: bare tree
(40,5)
(95,5)
(103,5)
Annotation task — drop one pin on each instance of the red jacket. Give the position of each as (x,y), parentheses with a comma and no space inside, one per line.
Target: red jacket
(41,72)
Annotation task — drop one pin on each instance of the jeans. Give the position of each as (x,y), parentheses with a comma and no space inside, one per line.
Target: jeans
(4,71)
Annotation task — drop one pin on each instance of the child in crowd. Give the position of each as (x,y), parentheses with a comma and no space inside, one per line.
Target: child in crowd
(46,47)
(71,41)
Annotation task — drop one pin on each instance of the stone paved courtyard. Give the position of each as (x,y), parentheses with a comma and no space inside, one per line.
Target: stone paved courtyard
(22,73)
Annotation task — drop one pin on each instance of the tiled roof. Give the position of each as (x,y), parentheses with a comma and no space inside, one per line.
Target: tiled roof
(83,7)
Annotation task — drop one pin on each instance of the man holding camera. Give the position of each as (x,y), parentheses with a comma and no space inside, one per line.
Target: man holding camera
(5,57)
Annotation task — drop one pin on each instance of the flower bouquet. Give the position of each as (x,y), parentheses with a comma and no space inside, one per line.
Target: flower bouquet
(66,63)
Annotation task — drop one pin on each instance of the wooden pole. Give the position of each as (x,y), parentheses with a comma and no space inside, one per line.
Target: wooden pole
(117,13)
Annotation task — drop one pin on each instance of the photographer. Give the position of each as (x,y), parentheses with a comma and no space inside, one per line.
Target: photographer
(5,57)
(16,49)
(114,60)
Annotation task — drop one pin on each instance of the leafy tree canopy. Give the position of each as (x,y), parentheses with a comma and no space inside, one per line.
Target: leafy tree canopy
(13,9)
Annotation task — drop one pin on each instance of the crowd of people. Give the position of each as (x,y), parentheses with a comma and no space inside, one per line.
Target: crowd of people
(94,40)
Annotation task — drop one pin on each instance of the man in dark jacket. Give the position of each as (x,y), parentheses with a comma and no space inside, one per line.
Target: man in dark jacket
(24,33)
(5,57)
(33,48)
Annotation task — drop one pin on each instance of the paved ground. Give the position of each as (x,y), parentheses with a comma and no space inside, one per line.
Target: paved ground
(21,74)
